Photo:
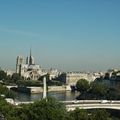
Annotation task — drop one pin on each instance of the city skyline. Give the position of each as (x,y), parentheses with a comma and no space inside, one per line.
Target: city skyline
(67,35)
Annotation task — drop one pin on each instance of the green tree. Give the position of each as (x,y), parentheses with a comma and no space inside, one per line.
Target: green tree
(78,114)
(100,114)
(99,90)
(5,108)
(3,75)
(82,85)
(49,109)
(28,83)
(8,93)
(46,109)
(15,77)
(113,94)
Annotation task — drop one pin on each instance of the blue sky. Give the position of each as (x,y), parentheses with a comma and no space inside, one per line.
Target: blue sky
(65,34)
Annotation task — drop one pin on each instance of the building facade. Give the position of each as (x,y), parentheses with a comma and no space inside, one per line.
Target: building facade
(31,71)
(71,78)
(27,68)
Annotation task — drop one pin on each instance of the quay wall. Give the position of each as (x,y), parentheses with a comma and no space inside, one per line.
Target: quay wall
(56,88)
(40,89)
(50,89)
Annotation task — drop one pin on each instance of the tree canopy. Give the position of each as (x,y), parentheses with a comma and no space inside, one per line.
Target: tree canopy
(15,77)
(99,89)
(3,75)
(49,109)
(82,85)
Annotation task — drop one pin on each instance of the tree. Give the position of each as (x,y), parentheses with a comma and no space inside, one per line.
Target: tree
(5,91)
(3,75)
(5,109)
(99,90)
(49,109)
(81,114)
(46,109)
(15,77)
(28,83)
(101,113)
(78,114)
(113,94)
(82,85)
(107,76)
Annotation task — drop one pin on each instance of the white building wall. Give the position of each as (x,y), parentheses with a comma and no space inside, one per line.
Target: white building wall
(73,77)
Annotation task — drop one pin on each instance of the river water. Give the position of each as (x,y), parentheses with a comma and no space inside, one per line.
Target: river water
(62,96)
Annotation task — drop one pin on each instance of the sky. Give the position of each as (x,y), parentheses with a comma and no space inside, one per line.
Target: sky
(70,35)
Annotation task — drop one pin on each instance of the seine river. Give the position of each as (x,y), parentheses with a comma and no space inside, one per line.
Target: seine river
(62,96)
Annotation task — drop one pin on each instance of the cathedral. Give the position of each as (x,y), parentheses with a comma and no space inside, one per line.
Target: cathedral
(27,68)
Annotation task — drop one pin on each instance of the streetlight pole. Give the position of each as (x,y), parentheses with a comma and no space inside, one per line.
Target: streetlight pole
(44,88)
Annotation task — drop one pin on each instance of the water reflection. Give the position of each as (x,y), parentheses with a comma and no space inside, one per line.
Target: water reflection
(68,95)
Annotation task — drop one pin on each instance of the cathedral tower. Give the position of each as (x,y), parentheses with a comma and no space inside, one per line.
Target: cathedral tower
(19,62)
(27,60)
(31,59)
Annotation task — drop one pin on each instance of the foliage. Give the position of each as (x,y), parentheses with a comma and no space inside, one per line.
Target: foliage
(50,82)
(107,76)
(99,89)
(5,91)
(101,113)
(15,77)
(78,114)
(6,109)
(28,83)
(49,109)
(113,94)
(46,109)
(96,90)
(54,82)
(96,114)
(82,85)
(3,75)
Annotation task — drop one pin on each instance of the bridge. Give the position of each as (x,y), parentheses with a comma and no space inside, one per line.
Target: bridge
(92,104)
(11,86)
(82,104)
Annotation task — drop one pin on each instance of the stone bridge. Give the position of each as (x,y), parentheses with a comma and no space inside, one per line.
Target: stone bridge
(12,86)
(85,104)
(93,106)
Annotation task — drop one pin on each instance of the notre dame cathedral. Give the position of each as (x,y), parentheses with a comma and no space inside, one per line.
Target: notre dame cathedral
(27,68)
(31,71)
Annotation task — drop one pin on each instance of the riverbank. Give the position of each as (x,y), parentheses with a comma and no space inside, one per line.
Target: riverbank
(34,90)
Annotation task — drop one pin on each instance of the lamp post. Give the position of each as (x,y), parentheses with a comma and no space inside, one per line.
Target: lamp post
(44,88)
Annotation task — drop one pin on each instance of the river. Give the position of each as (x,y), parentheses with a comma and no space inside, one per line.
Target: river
(62,96)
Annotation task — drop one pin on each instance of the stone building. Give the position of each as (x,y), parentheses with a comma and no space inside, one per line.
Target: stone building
(71,78)
(27,68)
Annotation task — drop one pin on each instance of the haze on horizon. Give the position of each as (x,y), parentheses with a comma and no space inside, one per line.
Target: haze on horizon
(67,34)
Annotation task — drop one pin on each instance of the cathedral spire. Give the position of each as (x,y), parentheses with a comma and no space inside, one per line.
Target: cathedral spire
(31,59)
(30,52)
